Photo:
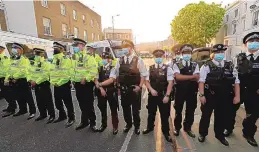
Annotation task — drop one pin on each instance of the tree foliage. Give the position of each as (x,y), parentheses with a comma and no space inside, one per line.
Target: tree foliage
(197,24)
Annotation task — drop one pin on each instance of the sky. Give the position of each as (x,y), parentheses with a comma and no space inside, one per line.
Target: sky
(149,19)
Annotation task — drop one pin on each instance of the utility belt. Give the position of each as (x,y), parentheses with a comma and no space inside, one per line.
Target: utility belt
(218,89)
(126,88)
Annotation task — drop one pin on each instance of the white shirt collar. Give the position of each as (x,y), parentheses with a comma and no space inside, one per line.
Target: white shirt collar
(130,57)
(217,63)
(160,65)
(107,65)
(256,54)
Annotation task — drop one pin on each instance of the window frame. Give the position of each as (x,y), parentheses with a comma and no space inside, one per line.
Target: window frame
(92,23)
(50,30)
(76,34)
(63,10)
(74,15)
(83,18)
(85,35)
(65,30)
(44,3)
(254,20)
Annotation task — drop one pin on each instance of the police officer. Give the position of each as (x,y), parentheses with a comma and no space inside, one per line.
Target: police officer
(131,72)
(6,91)
(39,78)
(248,69)
(16,77)
(60,73)
(159,83)
(108,93)
(217,78)
(91,51)
(186,75)
(85,71)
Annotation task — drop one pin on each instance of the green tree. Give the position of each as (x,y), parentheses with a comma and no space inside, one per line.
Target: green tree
(197,24)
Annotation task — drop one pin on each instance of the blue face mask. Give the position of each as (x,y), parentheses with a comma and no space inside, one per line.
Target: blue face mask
(14,51)
(158,60)
(187,57)
(104,61)
(219,56)
(76,49)
(253,45)
(125,51)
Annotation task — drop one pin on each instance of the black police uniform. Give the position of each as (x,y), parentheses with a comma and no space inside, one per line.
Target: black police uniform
(7,93)
(158,81)
(249,85)
(112,98)
(43,95)
(129,76)
(218,90)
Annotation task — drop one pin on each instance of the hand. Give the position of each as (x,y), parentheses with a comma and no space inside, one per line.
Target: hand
(6,83)
(257,91)
(196,77)
(14,81)
(103,92)
(154,92)
(166,99)
(236,100)
(137,88)
(33,83)
(203,100)
(83,82)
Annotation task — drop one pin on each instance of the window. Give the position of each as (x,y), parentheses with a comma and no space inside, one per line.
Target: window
(75,32)
(64,30)
(93,36)
(118,36)
(126,36)
(97,25)
(92,23)
(83,17)
(234,28)
(245,7)
(227,17)
(0,27)
(47,26)
(85,35)
(98,37)
(236,12)
(44,3)
(255,18)
(63,9)
(226,30)
(74,15)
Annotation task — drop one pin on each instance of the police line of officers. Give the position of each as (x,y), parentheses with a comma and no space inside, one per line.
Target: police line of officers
(220,86)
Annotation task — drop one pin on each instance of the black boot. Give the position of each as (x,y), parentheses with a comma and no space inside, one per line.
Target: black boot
(224,141)
(82,125)
(127,128)
(102,128)
(8,113)
(70,122)
(51,119)
(40,118)
(201,138)
(115,131)
(176,132)
(137,131)
(62,117)
(148,130)
(19,113)
(168,137)
(251,141)
(190,133)
(227,133)
(94,128)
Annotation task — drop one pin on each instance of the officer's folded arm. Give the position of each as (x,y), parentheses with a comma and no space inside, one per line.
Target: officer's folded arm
(180,77)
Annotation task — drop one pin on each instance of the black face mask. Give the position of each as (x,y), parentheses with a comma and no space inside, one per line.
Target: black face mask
(56,51)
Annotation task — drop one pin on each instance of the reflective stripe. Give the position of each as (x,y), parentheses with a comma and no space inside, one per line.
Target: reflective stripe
(81,68)
(59,76)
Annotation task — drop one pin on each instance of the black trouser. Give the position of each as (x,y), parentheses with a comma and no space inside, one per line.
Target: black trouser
(164,109)
(230,117)
(190,97)
(252,114)
(8,95)
(131,105)
(64,93)
(214,101)
(24,96)
(44,99)
(84,95)
(112,99)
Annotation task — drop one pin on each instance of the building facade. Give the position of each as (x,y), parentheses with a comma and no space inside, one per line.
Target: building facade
(117,34)
(241,18)
(54,20)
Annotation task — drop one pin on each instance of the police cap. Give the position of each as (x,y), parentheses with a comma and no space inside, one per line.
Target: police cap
(251,36)
(218,47)
(58,46)
(186,48)
(127,43)
(39,50)
(17,45)
(2,48)
(77,41)
(158,53)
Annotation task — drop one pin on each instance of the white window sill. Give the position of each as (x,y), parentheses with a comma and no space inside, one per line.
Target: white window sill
(48,35)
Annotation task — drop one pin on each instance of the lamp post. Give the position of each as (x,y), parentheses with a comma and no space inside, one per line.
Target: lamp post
(113,25)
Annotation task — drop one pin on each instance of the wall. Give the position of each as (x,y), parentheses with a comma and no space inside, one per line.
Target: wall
(53,12)
(21,17)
